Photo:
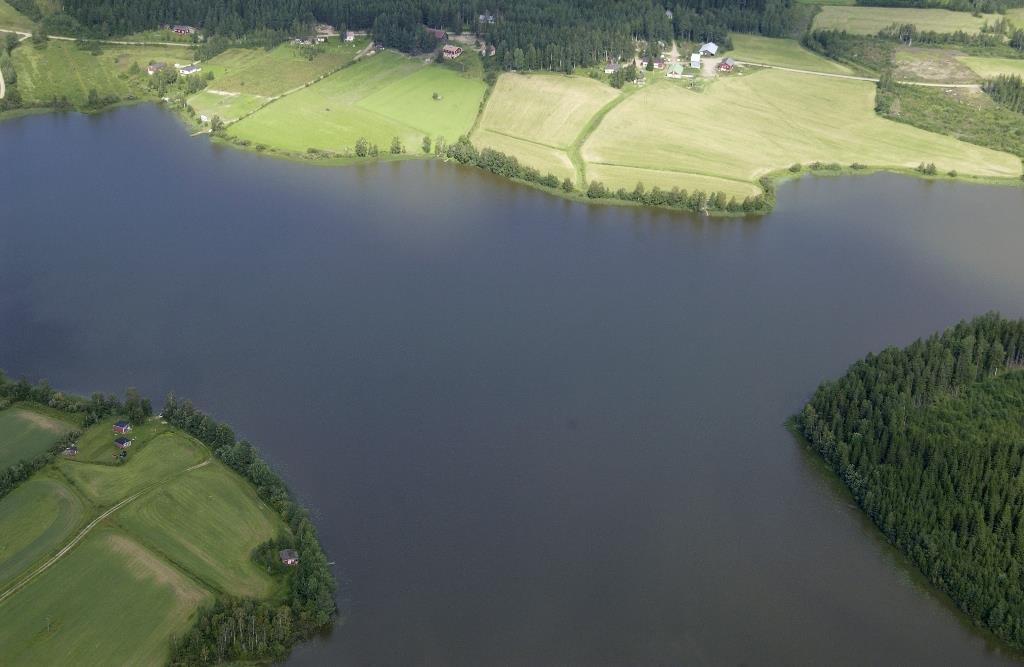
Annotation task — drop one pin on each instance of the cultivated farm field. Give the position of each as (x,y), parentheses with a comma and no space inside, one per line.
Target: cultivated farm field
(743,128)
(378,98)
(783,53)
(869,20)
(990,67)
(27,431)
(538,117)
(228,106)
(110,601)
(35,519)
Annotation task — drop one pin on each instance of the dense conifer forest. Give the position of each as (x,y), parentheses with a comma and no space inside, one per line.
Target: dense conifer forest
(930,441)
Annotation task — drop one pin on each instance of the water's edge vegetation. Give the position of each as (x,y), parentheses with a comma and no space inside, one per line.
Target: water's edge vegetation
(929,441)
(249,629)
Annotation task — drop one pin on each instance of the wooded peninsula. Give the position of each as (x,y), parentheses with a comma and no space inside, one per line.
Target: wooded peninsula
(131,538)
(930,442)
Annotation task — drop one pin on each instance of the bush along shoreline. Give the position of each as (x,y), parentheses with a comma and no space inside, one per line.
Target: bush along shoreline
(240,629)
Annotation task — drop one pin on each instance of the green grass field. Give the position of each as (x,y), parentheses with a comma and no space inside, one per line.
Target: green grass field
(989,67)
(11,18)
(35,519)
(110,601)
(869,20)
(26,432)
(156,460)
(283,68)
(230,107)
(381,97)
(742,128)
(781,52)
(62,69)
(208,521)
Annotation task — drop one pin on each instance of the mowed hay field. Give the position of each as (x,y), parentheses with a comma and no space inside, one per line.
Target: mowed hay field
(228,106)
(35,520)
(538,117)
(208,521)
(869,20)
(781,52)
(110,601)
(380,97)
(283,68)
(743,128)
(62,69)
(26,432)
(989,67)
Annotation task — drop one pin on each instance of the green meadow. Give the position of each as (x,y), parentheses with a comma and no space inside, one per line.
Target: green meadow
(228,106)
(27,431)
(12,18)
(990,67)
(869,20)
(35,519)
(61,69)
(382,96)
(783,53)
(140,575)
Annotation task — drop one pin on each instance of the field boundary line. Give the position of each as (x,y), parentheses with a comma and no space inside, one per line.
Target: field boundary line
(575,149)
(88,528)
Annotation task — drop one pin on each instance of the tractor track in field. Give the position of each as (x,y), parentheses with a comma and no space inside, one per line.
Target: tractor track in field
(50,562)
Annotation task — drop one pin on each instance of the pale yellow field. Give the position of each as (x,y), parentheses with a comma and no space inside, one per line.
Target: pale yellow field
(543,158)
(989,67)
(869,20)
(743,128)
(781,52)
(545,109)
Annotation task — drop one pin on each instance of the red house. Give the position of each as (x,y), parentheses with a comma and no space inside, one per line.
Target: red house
(122,427)
(441,35)
(123,443)
(727,65)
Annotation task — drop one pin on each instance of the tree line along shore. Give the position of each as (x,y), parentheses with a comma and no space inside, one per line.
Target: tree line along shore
(606,114)
(131,538)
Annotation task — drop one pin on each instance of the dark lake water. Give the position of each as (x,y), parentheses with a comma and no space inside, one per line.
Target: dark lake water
(532,432)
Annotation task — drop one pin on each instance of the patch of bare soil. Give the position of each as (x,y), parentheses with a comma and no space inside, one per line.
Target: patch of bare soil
(932,66)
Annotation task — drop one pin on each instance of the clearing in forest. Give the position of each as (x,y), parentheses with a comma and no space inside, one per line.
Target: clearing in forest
(746,127)
(782,53)
(869,20)
(383,96)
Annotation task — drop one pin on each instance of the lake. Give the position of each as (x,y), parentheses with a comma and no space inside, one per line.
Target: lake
(532,432)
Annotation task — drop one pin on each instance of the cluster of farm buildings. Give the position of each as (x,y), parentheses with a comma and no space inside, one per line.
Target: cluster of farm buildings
(121,428)
(183,70)
(677,70)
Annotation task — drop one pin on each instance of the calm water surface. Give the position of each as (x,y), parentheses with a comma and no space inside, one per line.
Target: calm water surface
(532,432)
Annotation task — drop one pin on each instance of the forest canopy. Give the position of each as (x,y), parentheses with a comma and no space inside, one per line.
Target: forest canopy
(929,439)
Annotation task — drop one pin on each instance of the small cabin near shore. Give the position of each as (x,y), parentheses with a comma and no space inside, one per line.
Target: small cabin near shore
(289,557)
(122,427)
(123,443)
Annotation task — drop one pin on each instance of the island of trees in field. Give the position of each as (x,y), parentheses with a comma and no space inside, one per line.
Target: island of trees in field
(138,539)
(929,439)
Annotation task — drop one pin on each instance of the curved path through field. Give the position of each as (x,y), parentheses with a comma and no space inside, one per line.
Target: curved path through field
(85,531)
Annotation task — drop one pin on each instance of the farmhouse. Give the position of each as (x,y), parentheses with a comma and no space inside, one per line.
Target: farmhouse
(451,51)
(675,71)
(153,68)
(695,60)
(727,65)
(184,29)
(289,556)
(611,67)
(659,63)
(441,35)
(123,443)
(122,427)
(188,69)
(350,36)
(709,49)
